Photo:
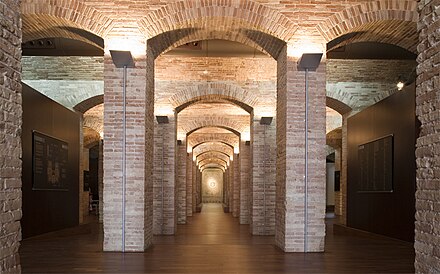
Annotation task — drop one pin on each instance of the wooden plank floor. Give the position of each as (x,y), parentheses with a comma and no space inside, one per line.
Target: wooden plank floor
(212,242)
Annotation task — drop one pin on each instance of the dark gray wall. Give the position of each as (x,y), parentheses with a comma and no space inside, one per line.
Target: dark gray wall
(390,214)
(49,210)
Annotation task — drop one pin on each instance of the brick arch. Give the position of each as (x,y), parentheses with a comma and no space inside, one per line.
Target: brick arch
(90,137)
(212,154)
(229,138)
(336,103)
(334,138)
(89,103)
(243,21)
(206,147)
(375,21)
(68,19)
(212,165)
(213,121)
(211,161)
(214,91)
(94,118)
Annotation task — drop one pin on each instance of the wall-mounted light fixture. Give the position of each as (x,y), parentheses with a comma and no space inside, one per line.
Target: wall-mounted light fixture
(179,142)
(266,120)
(307,62)
(162,119)
(123,59)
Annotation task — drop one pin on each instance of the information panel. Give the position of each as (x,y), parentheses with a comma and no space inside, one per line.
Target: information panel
(376,165)
(49,162)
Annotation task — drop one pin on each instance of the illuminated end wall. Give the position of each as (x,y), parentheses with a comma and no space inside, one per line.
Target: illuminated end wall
(212,185)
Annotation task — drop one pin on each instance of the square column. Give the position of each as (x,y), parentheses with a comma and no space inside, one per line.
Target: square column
(296,231)
(262,209)
(181,183)
(237,185)
(189,184)
(427,233)
(245,173)
(128,218)
(164,189)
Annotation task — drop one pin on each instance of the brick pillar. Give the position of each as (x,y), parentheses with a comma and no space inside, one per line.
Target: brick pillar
(139,154)
(10,130)
(290,213)
(181,183)
(263,178)
(164,178)
(245,180)
(343,185)
(83,195)
(194,186)
(100,180)
(226,188)
(231,186)
(427,236)
(237,185)
(338,196)
(189,184)
(199,187)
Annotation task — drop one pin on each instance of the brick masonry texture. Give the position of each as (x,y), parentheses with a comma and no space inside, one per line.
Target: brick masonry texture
(68,80)
(427,239)
(10,133)
(362,83)
(288,21)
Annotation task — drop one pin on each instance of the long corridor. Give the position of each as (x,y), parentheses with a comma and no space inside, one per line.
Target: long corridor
(212,242)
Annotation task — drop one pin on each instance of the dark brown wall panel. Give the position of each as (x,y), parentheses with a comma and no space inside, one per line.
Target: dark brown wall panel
(392,213)
(49,210)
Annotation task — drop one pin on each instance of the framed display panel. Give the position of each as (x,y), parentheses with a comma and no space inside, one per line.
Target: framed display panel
(376,165)
(49,162)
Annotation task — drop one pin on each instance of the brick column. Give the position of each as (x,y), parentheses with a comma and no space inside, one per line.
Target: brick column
(427,236)
(245,181)
(100,180)
(290,213)
(263,178)
(10,130)
(343,185)
(189,184)
(83,195)
(164,178)
(139,140)
(338,196)
(226,188)
(181,183)
(237,185)
(194,186)
(231,186)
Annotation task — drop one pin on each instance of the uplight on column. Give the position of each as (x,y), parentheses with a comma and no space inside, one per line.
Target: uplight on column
(308,62)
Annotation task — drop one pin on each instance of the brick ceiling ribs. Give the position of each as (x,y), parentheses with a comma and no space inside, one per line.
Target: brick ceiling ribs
(266,27)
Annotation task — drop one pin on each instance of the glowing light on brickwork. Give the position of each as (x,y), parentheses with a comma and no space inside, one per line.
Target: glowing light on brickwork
(163,111)
(304,46)
(189,149)
(101,134)
(236,150)
(134,45)
(245,136)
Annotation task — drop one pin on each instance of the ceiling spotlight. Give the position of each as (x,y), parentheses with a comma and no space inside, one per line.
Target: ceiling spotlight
(400,85)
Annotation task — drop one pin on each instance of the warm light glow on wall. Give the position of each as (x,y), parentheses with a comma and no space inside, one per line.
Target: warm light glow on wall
(304,46)
(163,111)
(134,45)
(189,149)
(231,157)
(194,157)
(237,149)
(101,134)
(245,136)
